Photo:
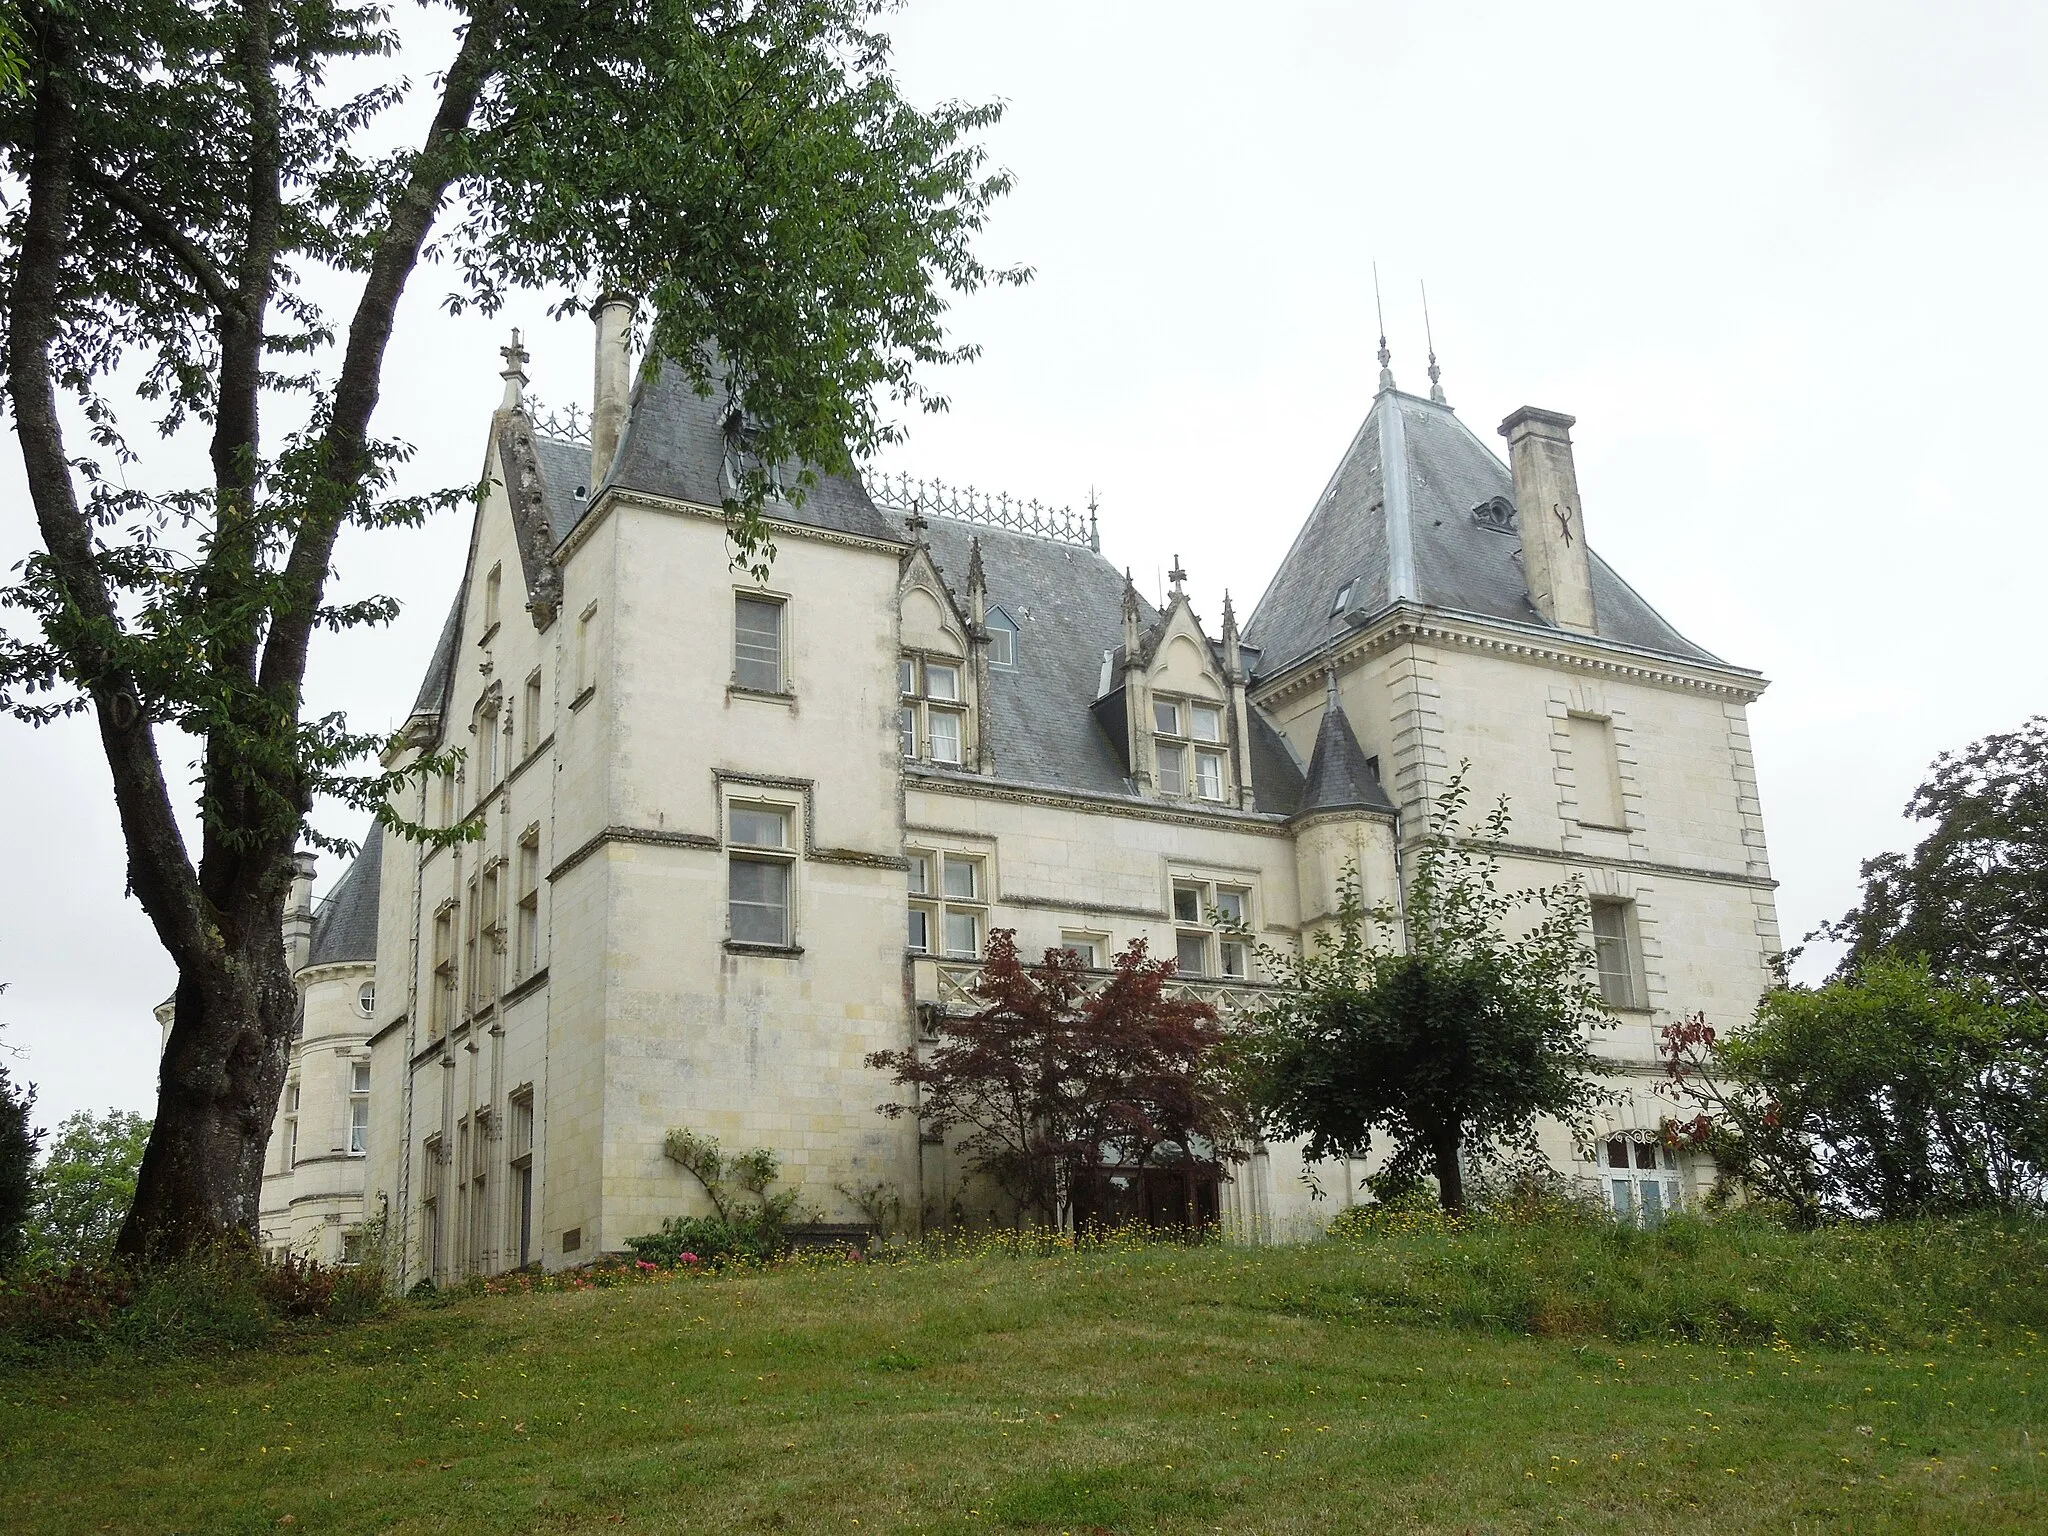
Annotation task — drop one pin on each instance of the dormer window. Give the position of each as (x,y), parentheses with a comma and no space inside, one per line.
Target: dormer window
(1183,730)
(930,721)
(743,455)
(1002,639)
(1343,598)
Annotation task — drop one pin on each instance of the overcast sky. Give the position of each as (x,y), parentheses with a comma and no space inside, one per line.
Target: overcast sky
(1783,262)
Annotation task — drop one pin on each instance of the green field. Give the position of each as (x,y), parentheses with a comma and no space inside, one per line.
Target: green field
(1411,1382)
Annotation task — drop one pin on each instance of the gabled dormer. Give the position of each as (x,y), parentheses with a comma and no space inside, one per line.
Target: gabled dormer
(942,668)
(1174,700)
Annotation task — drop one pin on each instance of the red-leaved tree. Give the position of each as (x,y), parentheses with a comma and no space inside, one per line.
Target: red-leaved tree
(1049,1081)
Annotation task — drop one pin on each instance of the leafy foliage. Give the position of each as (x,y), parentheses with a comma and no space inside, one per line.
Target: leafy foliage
(1972,899)
(1049,1080)
(84,1186)
(745,169)
(1458,1041)
(17,1166)
(748,1221)
(1887,1093)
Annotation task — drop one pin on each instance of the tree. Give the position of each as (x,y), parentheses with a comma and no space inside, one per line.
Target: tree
(1461,1038)
(1972,898)
(1050,1081)
(1887,1093)
(744,168)
(17,1164)
(84,1187)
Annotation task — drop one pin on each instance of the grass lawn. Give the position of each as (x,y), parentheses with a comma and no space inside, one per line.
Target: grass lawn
(1182,1390)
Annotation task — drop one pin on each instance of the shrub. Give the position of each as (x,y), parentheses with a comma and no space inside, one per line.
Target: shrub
(228,1297)
(749,1237)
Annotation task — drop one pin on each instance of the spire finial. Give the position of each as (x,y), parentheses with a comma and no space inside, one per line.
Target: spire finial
(513,373)
(1386,357)
(1177,576)
(1330,703)
(1094,538)
(1436,390)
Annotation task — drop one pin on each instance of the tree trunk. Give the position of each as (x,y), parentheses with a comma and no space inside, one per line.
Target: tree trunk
(218,1086)
(1450,1173)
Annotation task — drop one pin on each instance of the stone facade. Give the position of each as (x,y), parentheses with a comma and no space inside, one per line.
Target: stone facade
(735,836)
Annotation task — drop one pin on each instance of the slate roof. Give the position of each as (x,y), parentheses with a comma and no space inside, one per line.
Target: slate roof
(345,923)
(674,446)
(1411,535)
(1340,776)
(1067,603)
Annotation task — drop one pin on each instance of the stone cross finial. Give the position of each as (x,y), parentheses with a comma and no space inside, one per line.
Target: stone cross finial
(1177,576)
(915,524)
(513,373)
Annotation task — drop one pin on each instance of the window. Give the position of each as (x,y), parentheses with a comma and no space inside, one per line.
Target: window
(759,878)
(1614,954)
(529,708)
(1088,948)
(1343,598)
(1173,769)
(522,1172)
(1002,639)
(586,652)
(491,947)
(947,915)
(1185,769)
(484,727)
(931,716)
(472,1159)
(757,643)
(441,1017)
(366,999)
(358,1108)
(469,953)
(1643,1183)
(526,938)
(448,799)
(1209,929)
(433,1154)
(1595,770)
(492,584)
(291,1126)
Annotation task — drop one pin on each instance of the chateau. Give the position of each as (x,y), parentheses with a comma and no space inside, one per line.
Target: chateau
(737,836)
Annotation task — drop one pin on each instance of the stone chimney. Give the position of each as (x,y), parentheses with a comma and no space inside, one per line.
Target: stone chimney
(1554,555)
(614,319)
(298,910)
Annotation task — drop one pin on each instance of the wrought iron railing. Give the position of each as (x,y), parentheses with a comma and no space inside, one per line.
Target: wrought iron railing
(912,496)
(571,424)
(1231,999)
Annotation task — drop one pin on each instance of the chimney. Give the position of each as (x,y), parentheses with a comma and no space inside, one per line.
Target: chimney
(298,910)
(1553,531)
(614,319)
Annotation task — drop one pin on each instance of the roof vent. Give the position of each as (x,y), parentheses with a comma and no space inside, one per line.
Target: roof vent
(1497,513)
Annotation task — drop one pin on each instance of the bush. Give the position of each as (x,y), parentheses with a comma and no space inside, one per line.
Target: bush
(224,1299)
(682,1241)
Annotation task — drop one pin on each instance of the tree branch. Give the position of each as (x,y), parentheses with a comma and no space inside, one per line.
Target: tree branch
(344,446)
(175,243)
(159,871)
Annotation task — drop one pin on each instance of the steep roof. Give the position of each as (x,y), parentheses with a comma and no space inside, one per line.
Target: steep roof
(1340,776)
(345,924)
(675,445)
(1411,534)
(1067,603)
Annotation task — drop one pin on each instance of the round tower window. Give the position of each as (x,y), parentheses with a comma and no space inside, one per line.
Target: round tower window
(366,998)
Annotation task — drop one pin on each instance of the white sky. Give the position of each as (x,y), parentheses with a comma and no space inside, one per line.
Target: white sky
(1782,262)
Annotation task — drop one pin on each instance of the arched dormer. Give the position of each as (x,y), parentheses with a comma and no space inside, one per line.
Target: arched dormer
(938,703)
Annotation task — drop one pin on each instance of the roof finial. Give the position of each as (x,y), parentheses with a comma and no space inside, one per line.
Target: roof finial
(1436,390)
(1094,538)
(1386,357)
(1177,576)
(514,374)
(1330,703)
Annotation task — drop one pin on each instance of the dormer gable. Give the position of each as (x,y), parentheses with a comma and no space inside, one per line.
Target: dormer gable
(941,671)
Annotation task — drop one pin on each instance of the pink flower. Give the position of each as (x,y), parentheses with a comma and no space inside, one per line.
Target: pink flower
(689,1258)
(642,1264)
